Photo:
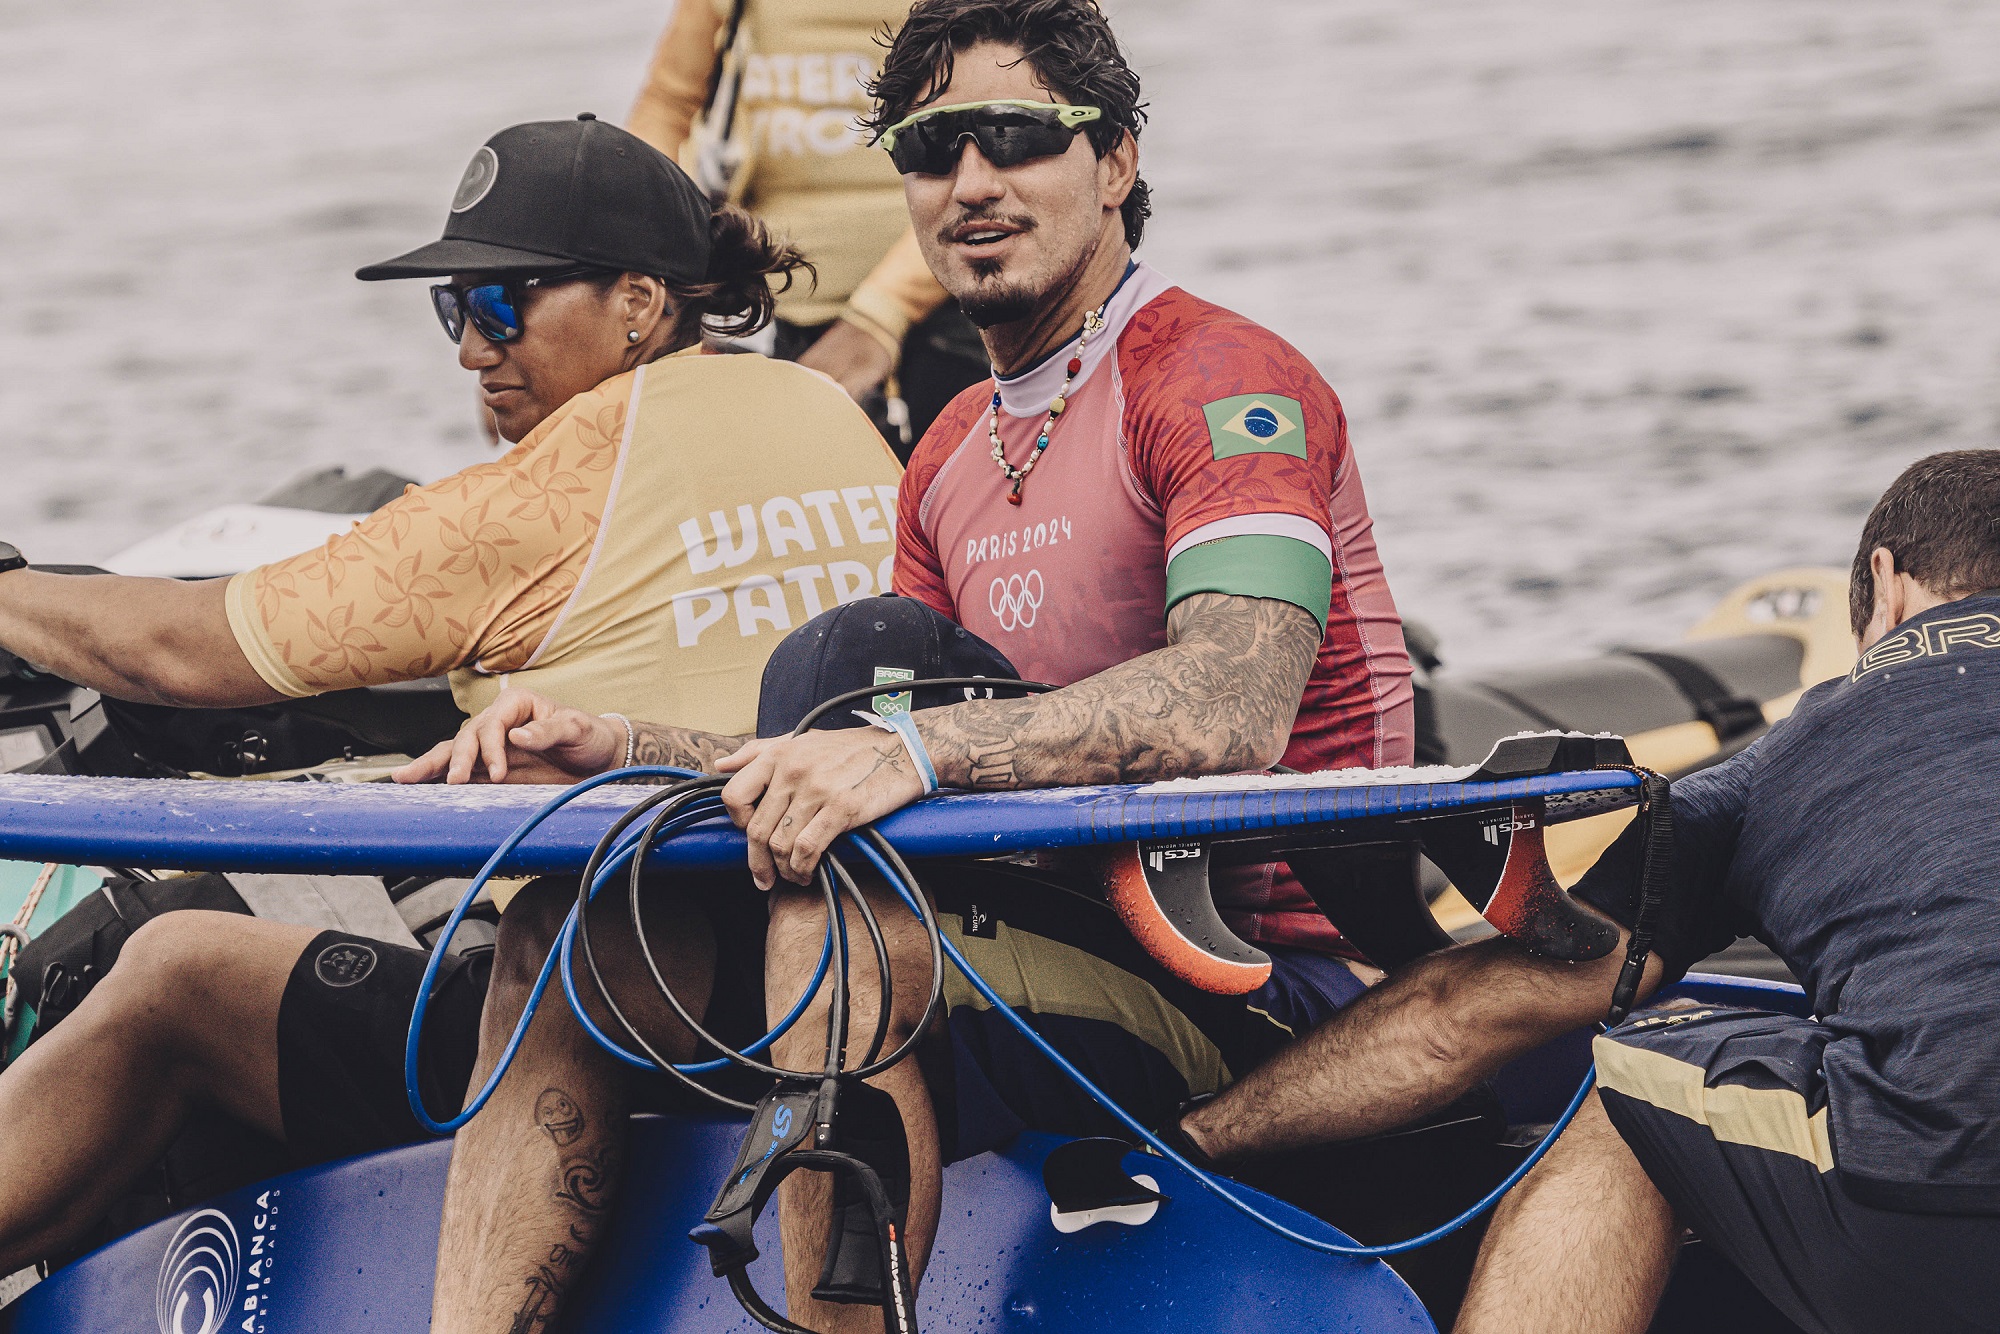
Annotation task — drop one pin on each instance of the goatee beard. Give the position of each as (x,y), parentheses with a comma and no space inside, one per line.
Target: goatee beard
(987,305)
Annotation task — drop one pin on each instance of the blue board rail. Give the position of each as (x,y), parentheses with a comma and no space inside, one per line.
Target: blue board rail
(382,829)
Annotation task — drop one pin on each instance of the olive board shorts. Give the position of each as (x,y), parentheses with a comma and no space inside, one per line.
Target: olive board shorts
(1056,954)
(1726,1110)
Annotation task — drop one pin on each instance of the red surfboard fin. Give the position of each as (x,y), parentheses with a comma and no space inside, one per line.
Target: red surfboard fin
(1161,892)
(1529,906)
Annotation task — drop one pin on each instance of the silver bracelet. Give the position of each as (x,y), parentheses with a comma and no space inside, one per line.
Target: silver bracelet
(631,737)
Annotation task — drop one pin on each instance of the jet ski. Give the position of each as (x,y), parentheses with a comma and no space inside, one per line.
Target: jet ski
(1003,1263)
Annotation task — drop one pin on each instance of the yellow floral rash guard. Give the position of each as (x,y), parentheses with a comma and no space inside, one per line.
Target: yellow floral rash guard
(642,551)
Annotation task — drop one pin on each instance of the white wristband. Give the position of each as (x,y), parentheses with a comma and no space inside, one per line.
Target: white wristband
(631,737)
(904,726)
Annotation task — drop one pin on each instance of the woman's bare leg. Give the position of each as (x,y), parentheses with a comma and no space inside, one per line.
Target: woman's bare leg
(187,1018)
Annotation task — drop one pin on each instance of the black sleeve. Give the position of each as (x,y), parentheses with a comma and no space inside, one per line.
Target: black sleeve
(1696,919)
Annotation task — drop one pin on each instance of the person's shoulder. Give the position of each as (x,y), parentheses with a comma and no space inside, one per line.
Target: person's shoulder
(756,392)
(1179,349)
(595,418)
(1178,328)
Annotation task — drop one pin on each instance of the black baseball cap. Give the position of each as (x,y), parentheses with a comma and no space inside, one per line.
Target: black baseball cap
(870,642)
(555,193)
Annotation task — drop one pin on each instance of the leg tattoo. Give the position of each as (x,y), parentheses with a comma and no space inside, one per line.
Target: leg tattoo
(584,1177)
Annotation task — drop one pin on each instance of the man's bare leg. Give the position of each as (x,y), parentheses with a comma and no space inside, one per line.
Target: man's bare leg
(187,1018)
(1425,1036)
(533,1176)
(805,1201)
(1583,1245)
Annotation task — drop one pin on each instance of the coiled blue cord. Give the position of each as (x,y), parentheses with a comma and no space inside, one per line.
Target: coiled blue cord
(559,954)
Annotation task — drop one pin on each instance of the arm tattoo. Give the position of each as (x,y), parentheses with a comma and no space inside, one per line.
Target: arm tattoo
(681,747)
(586,1176)
(1220,698)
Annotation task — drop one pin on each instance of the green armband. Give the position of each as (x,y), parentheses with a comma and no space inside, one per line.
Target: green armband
(1254,565)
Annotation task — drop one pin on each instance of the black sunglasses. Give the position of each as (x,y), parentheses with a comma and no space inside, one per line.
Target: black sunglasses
(492,308)
(1008,133)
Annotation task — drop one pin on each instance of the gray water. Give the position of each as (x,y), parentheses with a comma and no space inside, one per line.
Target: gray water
(1627,301)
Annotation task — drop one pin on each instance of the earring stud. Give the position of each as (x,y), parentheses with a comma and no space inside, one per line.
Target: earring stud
(631,335)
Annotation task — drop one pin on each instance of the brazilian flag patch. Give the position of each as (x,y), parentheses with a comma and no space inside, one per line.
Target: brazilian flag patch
(1256,424)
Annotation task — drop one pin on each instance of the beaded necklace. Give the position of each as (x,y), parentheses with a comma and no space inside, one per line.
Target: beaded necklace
(1092,323)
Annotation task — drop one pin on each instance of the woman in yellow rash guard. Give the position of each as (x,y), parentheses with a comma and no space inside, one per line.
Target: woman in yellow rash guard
(664,520)
(758,100)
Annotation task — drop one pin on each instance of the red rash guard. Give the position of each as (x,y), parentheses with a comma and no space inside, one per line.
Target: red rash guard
(1197,452)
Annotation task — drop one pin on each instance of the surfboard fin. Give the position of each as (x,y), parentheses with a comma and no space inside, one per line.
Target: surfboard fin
(1161,892)
(1525,902)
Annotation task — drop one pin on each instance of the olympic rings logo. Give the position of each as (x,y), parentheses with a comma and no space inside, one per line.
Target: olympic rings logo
(199,1276)
(1015,599)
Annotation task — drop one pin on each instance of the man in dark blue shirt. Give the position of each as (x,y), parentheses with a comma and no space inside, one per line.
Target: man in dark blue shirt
(1848,1164)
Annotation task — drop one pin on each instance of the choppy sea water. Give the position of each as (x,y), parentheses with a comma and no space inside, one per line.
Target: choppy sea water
(1627,302)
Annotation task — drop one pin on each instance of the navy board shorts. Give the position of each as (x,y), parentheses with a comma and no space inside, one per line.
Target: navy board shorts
(1060,958)
(1726,1110)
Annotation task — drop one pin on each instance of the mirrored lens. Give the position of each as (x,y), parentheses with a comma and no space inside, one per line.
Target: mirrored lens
(490,307)
(450,314)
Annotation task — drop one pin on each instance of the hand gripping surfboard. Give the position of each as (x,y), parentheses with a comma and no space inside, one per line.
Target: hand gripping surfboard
(381,829)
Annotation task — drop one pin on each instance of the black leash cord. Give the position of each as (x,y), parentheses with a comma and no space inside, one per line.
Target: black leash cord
(1656,811)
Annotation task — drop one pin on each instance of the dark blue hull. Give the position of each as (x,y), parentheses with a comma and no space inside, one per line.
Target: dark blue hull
(351,1247)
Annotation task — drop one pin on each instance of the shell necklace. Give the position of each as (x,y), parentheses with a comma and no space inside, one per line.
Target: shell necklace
(1092,323)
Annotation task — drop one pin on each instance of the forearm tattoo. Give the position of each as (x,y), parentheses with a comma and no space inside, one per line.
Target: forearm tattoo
(1220,698)
(681,747)
(586,1175)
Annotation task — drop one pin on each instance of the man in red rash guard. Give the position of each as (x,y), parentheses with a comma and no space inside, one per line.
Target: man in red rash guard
(1157,510)
(1199,453)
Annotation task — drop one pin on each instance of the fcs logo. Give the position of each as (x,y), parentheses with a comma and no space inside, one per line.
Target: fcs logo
(1492,829)
(1015,599)
(200,1274)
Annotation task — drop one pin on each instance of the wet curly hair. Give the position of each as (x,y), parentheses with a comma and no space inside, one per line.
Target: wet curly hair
(1068,43)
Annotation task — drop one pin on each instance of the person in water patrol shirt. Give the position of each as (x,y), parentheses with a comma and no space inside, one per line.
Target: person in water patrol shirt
(759,100)
(666,518)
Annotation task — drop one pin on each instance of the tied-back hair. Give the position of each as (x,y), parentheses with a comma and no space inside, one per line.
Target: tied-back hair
(748,267)
(1941,521)
(1069,45)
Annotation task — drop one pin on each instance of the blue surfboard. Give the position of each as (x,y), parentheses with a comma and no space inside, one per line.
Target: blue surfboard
(367,828)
